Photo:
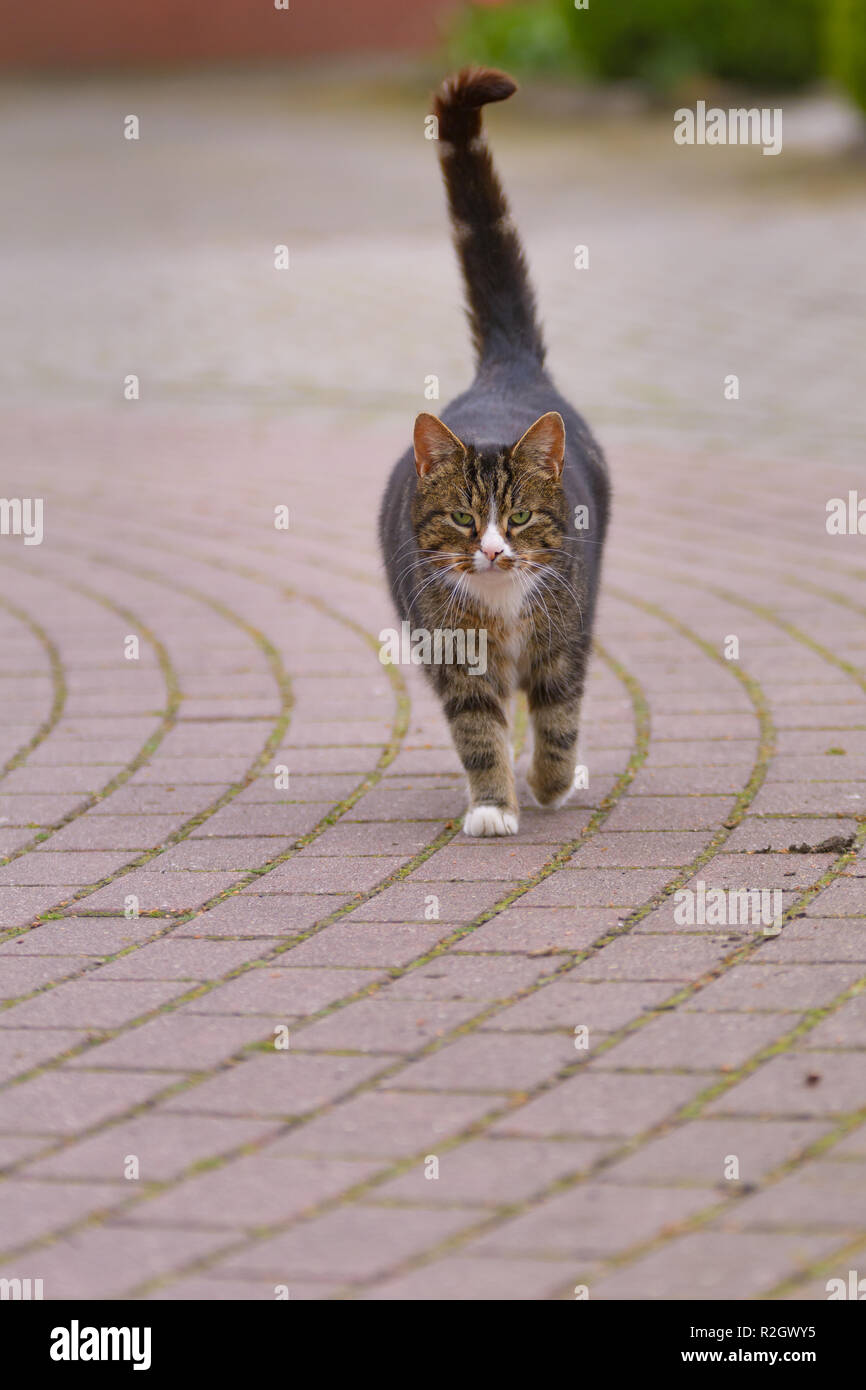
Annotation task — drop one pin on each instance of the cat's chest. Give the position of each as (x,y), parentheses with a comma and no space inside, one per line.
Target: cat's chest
(509,642)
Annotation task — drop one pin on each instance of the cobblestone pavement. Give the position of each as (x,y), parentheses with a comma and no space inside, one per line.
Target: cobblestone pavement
(156,1139)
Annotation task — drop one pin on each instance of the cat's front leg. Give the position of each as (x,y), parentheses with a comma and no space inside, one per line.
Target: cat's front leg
(555,721)
(479,727)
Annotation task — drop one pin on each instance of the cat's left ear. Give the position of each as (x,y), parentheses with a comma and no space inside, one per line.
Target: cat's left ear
(543,443)
(434,444)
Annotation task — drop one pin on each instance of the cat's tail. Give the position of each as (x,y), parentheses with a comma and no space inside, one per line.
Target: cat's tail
(501,303)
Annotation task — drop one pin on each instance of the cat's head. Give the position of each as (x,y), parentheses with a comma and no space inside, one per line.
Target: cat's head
(491,519)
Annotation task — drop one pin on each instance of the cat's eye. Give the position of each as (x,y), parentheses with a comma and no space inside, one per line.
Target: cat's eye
(463,518)
(519,518)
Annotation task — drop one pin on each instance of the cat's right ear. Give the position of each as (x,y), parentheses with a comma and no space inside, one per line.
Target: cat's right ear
(434,444)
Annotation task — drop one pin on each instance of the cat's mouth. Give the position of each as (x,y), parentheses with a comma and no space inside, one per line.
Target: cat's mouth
(481,565)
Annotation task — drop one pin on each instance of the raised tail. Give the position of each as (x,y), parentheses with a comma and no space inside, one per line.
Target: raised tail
(501,303)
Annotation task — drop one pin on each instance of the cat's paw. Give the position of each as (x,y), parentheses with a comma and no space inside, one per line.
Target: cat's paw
(551,798)
(489,820)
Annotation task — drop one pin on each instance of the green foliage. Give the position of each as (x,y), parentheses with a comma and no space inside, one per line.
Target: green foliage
(846,47)
(771,43)
(529,36)
(775,43)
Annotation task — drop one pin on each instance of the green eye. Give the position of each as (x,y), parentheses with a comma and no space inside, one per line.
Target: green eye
(519,518)
(463,518)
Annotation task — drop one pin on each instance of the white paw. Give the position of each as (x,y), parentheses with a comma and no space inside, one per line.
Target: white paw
(489,820)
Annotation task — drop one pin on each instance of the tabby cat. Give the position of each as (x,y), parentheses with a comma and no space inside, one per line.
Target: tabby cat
(494,521)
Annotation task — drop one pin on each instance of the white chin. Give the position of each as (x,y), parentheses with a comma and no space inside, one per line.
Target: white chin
(498,592)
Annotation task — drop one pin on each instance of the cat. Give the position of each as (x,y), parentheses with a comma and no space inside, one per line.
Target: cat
(495,518)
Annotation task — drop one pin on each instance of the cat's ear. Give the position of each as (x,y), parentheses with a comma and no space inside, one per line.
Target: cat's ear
(543,443)
(434,444)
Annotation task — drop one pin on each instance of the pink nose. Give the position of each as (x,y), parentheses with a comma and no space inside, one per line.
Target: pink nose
(491,549)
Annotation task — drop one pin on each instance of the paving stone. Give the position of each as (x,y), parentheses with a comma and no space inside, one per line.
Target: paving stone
(80,936)
(600,1105)
(92,1004)
(20,975)
(597,888)
(389,838)
(463,1278)
(24,1048)
(14,1148)
(699,1152)
(82,780)
(845,897)
(457,903)
(280,822)
(488,860)
(601,1006)
(845,1027)
(822,941)
(173,890)
(277,914)
(669,813)
(755,985)
(175,1042)
(812,798)
(674,958)
(280,993)
(238,855)
(388,1125)
(282,1084)
(852,1146)
(181,958)
(318,874)
(380,1024)
(699,1042)
(693,781)
(640,849)
(491,1062)
(591,1220)
(757,833)
(138,800)
(821,1197)
(528,929)
(65,871)
(18,906)
(29,1210)
(352,1243)
(165,1145)
(174,772)
(798,1084)
(491,1172)
(36,810)
(197,1290)
(460,976)
(104,1262)
(253,1191)
(712,1265)
(65,1102)
(352,942)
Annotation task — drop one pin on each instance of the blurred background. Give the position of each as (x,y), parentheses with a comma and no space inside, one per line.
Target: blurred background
(304,127)
(658,43)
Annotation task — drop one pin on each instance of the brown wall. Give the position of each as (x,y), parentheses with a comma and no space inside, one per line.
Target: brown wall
(92,33)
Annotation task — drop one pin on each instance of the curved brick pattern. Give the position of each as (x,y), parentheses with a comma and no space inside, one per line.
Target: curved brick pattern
(266,1017)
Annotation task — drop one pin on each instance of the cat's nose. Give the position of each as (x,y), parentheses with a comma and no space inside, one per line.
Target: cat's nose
(492,548)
